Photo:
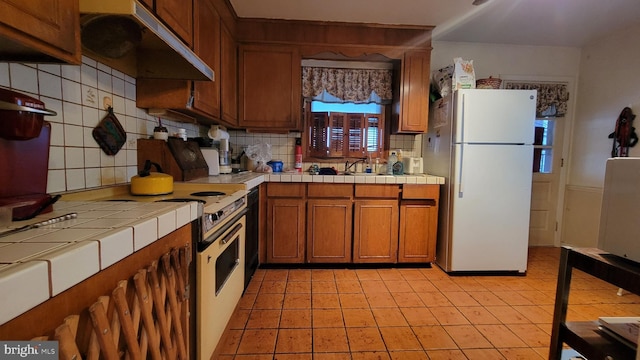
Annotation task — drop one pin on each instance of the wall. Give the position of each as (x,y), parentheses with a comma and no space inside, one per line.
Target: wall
(500,60)
(609,78)
(76,93)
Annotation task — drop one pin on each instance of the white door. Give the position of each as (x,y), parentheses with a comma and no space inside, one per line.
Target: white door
(546,179)
(491,201)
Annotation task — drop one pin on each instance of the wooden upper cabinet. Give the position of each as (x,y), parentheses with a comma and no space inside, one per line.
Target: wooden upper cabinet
(411,107)
(40,30)
(228,77)
(196,98)
(206,94)
(178,15)
(270,88)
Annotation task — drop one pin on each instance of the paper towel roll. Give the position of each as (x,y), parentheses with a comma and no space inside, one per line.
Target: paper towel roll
(217,133)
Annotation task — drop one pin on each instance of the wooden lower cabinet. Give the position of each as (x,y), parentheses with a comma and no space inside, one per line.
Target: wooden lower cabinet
(329,230)
(418,231)
(418,223)
(350,223)
(285,230)
(375,231)
(150,290)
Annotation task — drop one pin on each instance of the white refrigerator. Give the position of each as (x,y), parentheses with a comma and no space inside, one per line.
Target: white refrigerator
(481,142)
(620,212)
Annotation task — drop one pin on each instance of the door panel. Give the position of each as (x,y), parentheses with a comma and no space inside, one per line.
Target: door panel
(329,230)
(490,115)
(491,202)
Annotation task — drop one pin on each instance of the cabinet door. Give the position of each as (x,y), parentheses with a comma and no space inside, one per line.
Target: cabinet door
(414,93)
(329,230)
(178,15)
(270,87)
(207,46)
(229,77)
(50,27)
(375,231)
(418,231)
(285,230)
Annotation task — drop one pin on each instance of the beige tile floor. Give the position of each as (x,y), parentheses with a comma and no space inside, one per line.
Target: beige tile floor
(410,313)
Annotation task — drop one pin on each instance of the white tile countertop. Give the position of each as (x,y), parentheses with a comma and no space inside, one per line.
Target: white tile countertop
(252,179)
(357,178)
(40,263)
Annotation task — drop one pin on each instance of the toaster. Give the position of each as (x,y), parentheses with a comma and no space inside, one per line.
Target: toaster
(212,158)
(412,165)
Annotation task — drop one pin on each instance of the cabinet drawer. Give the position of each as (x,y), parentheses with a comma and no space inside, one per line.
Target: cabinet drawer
(289,190)
(377,191)
(330,190)
(415,191)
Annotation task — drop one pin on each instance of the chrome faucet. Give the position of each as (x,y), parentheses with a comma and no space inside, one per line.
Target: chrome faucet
(348,166)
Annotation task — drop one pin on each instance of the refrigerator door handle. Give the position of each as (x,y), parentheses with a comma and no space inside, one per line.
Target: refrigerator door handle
(461,163)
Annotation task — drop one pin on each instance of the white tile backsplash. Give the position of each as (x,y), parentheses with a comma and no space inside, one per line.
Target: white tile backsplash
(71,72)
(56,181)
(56,157)
(91,116)
(75,179)
(73,135)
(23,78)
(57,134)
(104,81)
(117,86)
(108,176)
(50,85)
(93,177)
(74,158)
(89,75)
(71,91)
(50,68)
(72,113)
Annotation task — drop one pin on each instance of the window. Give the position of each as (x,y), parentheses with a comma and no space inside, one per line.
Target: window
(543,145)
(344,130)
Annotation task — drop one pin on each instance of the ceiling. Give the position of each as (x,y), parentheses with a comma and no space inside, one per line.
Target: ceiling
(572,23)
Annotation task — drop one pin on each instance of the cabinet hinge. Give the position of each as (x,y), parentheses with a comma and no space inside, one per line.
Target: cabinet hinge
(556,226)
(561,162)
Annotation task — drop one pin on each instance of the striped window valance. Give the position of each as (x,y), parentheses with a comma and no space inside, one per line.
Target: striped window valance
(552,97)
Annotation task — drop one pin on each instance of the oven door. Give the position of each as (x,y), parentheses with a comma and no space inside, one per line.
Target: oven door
(220,283)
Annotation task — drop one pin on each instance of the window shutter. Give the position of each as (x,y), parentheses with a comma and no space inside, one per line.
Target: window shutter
(356,136)
(374,131)
(318,134)
(337,122)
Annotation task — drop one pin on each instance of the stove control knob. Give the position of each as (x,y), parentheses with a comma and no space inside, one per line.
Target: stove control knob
(211,217)
(220,213)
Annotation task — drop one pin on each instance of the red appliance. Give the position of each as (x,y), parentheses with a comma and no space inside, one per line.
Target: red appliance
(24,154)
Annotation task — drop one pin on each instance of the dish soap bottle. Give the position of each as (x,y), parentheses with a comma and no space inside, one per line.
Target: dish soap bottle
(390,162)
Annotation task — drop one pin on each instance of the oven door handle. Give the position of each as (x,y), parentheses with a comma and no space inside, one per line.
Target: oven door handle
(233,233)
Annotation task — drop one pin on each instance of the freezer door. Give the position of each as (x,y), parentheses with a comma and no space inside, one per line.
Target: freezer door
(495,116)
(491,201)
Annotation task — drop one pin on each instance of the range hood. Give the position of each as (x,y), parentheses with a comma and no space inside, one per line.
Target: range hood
(155,52)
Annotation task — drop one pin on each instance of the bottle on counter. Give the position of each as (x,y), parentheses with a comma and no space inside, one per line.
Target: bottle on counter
(390,161)
(298,155)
